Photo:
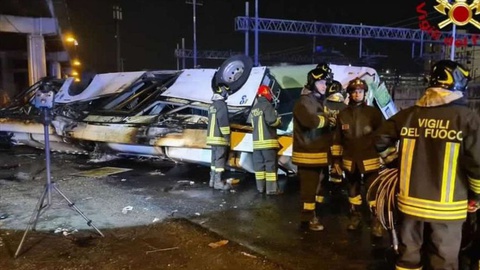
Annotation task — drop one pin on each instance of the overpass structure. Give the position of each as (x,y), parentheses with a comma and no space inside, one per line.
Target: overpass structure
(33,30)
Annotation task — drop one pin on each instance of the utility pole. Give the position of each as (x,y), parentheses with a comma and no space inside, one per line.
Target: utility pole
(117,17)
(195,3)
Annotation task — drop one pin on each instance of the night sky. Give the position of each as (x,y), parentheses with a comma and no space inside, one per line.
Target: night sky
(151,29)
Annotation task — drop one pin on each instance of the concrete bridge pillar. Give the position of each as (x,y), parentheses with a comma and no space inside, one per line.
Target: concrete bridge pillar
(37,64)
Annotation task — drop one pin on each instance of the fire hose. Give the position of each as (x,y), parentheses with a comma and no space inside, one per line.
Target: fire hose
(384,189)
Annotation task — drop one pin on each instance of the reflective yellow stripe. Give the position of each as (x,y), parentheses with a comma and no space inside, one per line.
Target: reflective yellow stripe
(277,122)
(260,175)
(309,206)
(429,214)
(406,165)
(310,158)
(271,176)
(319,199)
(322,121)
(212,126)
(433,205)
(225,130)
(347,164)
(357,200)
(474,184)
(371,164)
(263,144)
(449,171)
(337,150)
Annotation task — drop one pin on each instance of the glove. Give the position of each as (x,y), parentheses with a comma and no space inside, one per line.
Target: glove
(473,206)
(337,169)
(332,121)
(389,155)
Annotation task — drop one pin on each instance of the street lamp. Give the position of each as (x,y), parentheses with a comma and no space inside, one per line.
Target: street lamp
(117,17)
(195,3)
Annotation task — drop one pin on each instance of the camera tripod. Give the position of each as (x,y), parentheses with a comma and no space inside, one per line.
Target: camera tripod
(45,200)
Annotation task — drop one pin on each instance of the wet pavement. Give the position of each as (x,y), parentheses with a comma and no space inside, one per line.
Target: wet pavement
(268,225)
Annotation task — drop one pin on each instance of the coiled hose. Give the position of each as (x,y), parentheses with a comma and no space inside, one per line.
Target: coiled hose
(384,189)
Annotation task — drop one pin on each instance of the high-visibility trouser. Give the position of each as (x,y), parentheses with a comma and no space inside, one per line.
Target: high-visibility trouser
(265,167)
(309,177)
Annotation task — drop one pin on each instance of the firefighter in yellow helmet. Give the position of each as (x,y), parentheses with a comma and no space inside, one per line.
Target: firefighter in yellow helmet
(218,136)
(310,148)
(439,167)
(265,122)
(354,150)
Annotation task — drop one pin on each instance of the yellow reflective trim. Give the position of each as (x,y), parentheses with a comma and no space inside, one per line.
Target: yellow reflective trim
(271,176)
(433,205)
(372,204)
(322,121)
(347,164)
(371,161)
(225,130)
(337,150)
(310,160)
(309,206)
(357,200)
(260,175)
(310,155)
(211,132)
(406,165)
(277,122)
(270,143)
(319,199)
(474,184)
(449,171)
(430,214)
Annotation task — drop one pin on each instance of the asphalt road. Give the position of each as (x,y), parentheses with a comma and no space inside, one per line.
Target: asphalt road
(155,191)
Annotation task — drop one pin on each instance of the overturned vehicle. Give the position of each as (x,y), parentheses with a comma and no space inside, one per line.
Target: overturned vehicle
(163,114)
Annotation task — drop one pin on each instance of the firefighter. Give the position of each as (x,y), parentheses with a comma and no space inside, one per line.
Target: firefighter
(439,165)
(334,103)
(354,150)
(310,149)
(265,122)
(218,136)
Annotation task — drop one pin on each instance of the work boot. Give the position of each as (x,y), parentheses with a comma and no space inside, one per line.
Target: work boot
(377,228)
(272,188)
(355,220)
(314,225)
(219,183)
(261,185)
(212,179)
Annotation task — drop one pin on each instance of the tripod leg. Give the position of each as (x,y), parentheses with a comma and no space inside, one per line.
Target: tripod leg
(72,205)
(34,218)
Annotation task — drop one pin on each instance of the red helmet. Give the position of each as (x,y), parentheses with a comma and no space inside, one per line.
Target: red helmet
(264,91)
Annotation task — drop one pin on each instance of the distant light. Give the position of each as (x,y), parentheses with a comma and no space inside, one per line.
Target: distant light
(77,79)
(71,39)
(74,73)
(76,62)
